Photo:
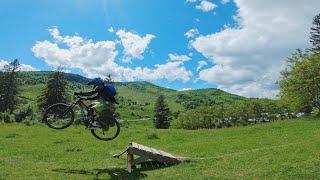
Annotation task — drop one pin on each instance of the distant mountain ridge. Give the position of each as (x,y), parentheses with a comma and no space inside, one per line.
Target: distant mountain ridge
(41,77)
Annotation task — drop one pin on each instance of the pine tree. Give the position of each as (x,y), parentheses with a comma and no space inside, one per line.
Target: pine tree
(9,86)
(1,89)
(315,33)
(55,91)
(162,114)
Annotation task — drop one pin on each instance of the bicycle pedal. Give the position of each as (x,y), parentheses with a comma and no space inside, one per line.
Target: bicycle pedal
(92,126)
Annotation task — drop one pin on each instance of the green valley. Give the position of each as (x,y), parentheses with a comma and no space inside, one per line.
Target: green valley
(136,98)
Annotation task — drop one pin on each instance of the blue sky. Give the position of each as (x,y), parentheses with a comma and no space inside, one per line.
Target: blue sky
(227,41)
(25,22)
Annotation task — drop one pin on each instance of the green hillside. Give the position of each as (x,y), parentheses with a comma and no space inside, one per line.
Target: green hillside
(136,98)
(286,149)
(41,77)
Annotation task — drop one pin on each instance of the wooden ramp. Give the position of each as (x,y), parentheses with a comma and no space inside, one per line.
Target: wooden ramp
(147,153)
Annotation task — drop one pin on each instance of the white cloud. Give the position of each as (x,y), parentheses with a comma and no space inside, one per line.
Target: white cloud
(2,63)
(134,45)
(225,1)
(171,71)
(111,30)
(206,6)
(178,58)
(26,67)
(201,64)
(248,58)
(23,67)
(98,59)
(191,33)
(185,89)
(191,1)
(79,53)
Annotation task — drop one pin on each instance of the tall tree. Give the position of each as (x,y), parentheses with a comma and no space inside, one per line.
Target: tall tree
(300,82)
(315,33)
(1,89)
(9,86)
(162,114)
(55,91)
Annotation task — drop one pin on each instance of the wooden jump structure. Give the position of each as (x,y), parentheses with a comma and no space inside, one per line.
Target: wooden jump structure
(147,153)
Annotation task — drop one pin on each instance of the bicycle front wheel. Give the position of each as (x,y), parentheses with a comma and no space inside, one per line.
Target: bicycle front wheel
(107,134)
(58,116)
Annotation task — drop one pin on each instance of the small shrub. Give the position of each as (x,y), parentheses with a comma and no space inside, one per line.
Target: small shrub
(30,120)
(23,113)
(152,136)
(29,123)
(315,112)
(6,117)
(196,119)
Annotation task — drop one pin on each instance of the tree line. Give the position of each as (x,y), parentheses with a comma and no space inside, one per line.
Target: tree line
(11,103)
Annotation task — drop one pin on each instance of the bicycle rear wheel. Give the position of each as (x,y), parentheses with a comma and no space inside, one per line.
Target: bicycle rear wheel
(107,132)
(58,116)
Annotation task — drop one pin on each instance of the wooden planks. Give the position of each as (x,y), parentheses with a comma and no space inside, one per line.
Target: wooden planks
(146,153)
(152,153)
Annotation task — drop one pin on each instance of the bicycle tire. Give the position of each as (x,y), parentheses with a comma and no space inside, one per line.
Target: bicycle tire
(117,124)
(62,106)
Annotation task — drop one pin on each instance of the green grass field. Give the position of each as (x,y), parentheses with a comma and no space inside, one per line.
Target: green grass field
(281,150)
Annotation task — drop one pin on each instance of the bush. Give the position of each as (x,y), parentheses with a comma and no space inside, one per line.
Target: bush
(198,118)
(315,112)
(24,113)
(250,111)
(152,136)
(6,117)
(32,119)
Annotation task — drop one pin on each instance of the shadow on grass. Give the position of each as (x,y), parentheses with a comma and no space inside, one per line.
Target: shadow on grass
(116,173)
(12,136)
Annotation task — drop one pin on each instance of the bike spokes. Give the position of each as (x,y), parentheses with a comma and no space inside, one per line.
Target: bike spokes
(106,132)
(59,116)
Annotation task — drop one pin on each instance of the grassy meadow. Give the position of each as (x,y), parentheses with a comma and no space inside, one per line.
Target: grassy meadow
(286,149)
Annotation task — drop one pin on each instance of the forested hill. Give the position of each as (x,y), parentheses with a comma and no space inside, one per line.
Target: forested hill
(136,98)
(41,77)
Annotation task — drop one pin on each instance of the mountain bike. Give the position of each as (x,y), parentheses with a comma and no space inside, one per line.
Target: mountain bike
(61,116)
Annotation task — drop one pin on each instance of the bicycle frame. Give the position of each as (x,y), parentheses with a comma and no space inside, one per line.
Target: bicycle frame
(79,102)
(88,118)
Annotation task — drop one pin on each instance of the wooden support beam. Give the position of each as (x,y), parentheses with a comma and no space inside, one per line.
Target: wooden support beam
(130,162)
